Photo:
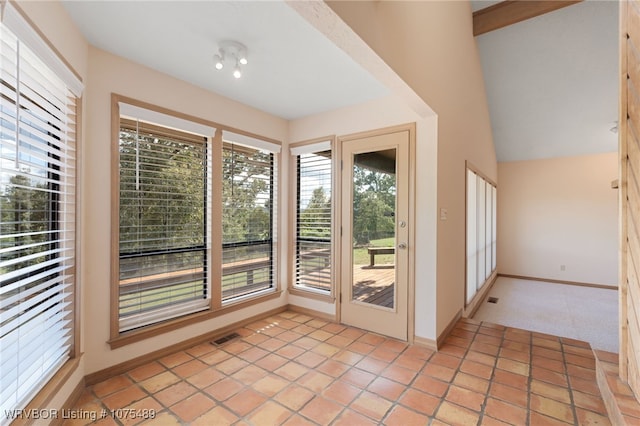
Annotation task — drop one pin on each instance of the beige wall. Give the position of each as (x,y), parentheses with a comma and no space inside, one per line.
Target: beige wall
(559,211)
(430,45)
(56,25)
(112,74)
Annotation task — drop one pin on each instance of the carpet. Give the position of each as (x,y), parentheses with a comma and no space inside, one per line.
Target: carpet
(582,313)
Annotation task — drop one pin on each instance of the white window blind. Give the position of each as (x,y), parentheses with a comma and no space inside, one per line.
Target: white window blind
(37,211)
(313,221)
(248,206)
(481,232)
(163,223)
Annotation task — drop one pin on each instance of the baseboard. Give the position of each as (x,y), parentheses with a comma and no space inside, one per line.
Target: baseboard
(445,333)
(425,342)
(312,312)
(550,280)
(471,309)
(98,376)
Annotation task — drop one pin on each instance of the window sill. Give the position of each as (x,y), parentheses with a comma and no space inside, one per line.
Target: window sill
(51,389)
(134,336)
(310,294)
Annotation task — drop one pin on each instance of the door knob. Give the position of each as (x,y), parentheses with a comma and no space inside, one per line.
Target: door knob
(402,245)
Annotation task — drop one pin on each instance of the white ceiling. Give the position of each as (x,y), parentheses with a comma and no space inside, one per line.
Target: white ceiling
(552,82)
(293,70)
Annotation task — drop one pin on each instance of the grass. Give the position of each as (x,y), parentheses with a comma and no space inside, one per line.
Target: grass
(361,257)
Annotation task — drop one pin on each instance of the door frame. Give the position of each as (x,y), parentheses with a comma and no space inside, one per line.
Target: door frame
(411,129)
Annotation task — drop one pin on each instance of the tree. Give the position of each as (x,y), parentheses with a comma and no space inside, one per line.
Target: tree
(374,197)
(162,193)
(315,219)
(246,195)
(27,208)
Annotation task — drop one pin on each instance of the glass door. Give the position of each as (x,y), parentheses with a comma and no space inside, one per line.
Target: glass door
(375,233)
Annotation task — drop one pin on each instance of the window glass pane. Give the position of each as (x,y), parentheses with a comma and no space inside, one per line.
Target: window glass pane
(163,197)
(472,245)
(37,221)
(494,228)
(313,225)
(248,197)
(481,224)
(488,229)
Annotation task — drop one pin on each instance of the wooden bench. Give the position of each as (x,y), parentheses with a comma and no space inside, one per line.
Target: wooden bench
(373,251)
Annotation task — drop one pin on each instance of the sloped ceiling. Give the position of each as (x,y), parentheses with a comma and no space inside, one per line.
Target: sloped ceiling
(552,82)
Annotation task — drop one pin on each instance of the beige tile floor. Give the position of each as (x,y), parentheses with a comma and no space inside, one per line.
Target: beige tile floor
(293,369)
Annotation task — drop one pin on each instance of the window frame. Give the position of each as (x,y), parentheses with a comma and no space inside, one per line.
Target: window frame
(292,288)
(28,34)
(488,247)
(201,143)
(272,255)
(214,232)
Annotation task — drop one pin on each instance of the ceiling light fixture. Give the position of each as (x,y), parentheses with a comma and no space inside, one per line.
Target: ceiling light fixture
(233,51)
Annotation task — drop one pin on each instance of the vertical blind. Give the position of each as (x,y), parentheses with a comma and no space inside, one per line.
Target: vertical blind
(37,211)
(481,232)
(163,217)
(248,201)
(313,221)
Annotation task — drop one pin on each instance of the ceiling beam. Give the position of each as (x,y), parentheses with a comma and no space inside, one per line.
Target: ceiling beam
(511,11)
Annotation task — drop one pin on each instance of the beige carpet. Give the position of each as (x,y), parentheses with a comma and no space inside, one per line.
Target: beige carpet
(583,313)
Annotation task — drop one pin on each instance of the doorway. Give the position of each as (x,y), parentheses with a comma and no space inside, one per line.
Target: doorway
(376,227)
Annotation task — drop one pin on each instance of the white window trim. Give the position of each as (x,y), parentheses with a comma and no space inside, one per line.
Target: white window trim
(14,20)
(250,142)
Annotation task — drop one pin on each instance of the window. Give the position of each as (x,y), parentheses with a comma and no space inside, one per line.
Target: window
(313,220)
(195,211)
(248,198)
(37,211)
(481,232)
(163,223)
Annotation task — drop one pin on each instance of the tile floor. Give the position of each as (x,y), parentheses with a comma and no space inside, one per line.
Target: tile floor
(293,369)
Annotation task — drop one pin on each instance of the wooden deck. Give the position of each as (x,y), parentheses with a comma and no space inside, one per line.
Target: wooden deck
(374,285)
(371,284)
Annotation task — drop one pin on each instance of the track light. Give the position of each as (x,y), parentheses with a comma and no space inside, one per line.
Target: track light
(231,50)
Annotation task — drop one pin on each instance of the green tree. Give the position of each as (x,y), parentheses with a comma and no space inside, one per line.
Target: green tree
(374,195)
(246,195)
(315,219)
(27,214)
(162,193)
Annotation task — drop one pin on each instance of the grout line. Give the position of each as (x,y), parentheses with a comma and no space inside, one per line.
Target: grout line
(490,335)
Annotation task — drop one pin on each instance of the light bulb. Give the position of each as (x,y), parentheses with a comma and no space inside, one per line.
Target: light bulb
(218,59)
(243,60)
(236,72)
